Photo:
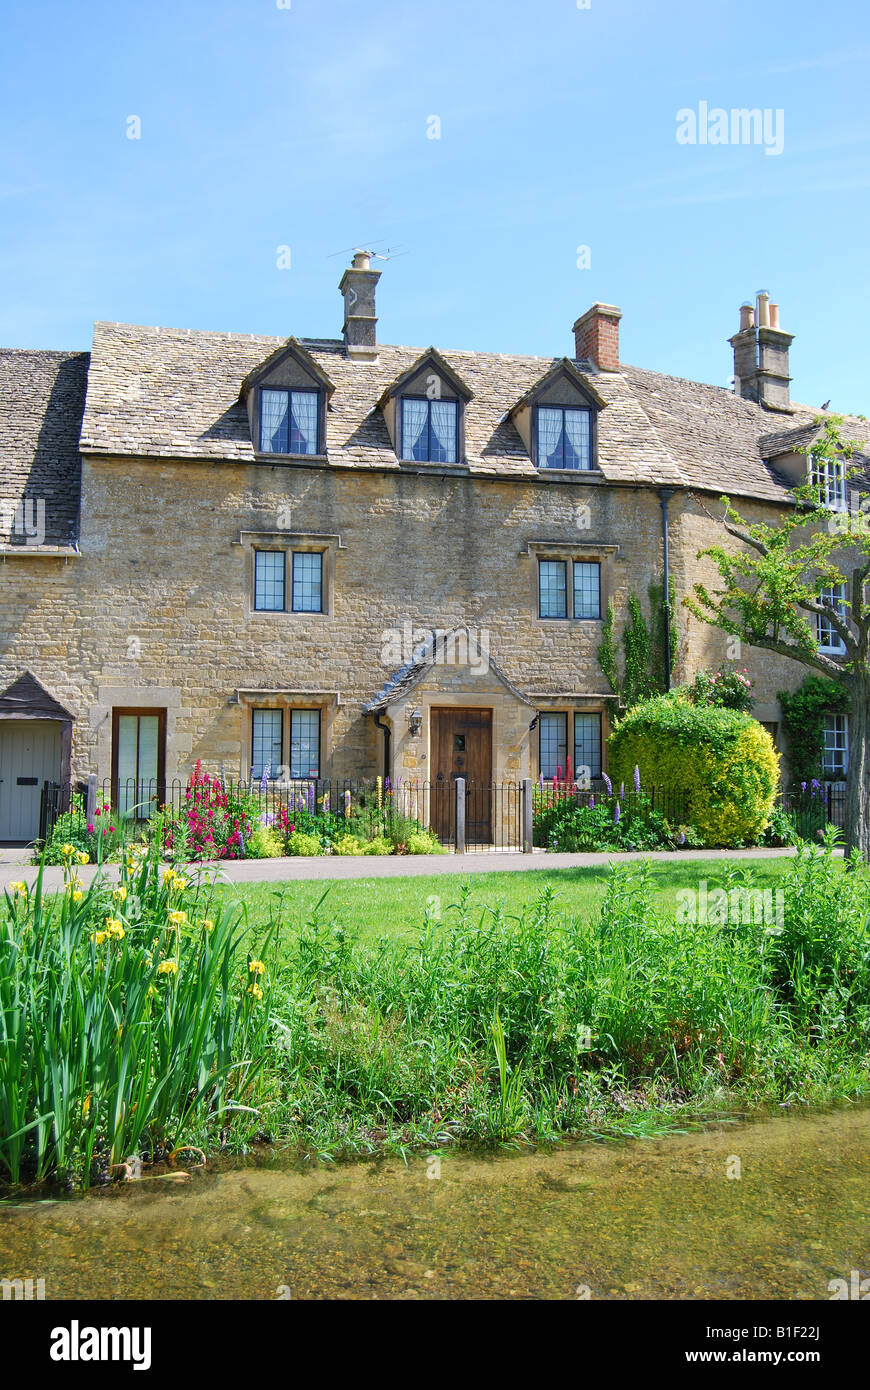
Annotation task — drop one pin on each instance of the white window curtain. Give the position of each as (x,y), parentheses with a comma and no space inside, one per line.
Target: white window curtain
(303,422)
(273,422)
(577,430)
(549,434)
(415,415)
(444,430)
(138,742)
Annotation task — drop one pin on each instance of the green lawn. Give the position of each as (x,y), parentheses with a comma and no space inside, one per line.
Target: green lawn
(391,906)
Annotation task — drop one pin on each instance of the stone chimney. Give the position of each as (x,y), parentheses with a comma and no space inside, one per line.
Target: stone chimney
(358,284)
(761,355)
(596,336)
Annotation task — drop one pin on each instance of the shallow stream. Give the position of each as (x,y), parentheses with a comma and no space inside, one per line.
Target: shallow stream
(775,1208)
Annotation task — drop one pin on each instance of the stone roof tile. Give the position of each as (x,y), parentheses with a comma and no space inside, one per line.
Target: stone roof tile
(42,397)
(174,393)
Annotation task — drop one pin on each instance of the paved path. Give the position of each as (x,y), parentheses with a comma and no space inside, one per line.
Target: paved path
(14,865)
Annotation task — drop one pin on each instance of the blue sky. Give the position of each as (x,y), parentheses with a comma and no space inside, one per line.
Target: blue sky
(307,127)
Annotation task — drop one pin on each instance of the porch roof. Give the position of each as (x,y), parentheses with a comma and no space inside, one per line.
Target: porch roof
(25,698)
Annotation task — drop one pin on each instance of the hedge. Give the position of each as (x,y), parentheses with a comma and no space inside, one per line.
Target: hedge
(723,758)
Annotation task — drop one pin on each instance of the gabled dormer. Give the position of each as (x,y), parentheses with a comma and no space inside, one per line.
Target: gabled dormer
(557,420)
(424,410)
(287,398)
(791,454)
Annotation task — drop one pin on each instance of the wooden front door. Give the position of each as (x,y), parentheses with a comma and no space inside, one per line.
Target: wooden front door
(29,756)
(462,747)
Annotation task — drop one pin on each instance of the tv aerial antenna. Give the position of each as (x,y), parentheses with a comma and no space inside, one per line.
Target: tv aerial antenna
(387,253)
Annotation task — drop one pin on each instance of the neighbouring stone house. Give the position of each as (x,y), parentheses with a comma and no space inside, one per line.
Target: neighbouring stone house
(339,558)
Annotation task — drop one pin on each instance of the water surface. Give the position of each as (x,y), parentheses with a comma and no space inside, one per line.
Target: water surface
(643,1219)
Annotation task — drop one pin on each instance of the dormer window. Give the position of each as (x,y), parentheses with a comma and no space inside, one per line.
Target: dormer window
(829,475)
(557,421)
(430,430)
(289,421)
(564,437)
(286,398)
(424,412)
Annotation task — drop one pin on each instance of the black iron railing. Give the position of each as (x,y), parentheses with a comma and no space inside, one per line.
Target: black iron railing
(813,805)
(465,816)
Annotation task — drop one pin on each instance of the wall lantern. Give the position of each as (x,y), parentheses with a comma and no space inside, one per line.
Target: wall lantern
(415,723)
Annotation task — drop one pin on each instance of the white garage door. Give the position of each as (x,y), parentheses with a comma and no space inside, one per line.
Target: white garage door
(29,756)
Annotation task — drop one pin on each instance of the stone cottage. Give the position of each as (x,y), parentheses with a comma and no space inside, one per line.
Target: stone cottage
(337,558)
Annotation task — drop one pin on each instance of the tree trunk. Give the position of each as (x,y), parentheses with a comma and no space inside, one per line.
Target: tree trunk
(858,771)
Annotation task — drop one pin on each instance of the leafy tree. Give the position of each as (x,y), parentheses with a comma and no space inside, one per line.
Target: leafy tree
(773,592)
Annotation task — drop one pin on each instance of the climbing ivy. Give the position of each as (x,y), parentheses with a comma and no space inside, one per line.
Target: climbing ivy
(638,680)
(607,650)
(803,717)
(644,671)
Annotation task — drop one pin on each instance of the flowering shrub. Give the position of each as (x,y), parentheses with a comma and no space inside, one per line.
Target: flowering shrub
(310,814)
(566,817)
(215,825)
(808,809)
(216,821)
(265,842)
(70,829)
(725,689)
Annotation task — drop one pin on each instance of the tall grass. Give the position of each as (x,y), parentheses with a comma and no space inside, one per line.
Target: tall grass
(484,1025)
(128,1025)
(500,1026)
